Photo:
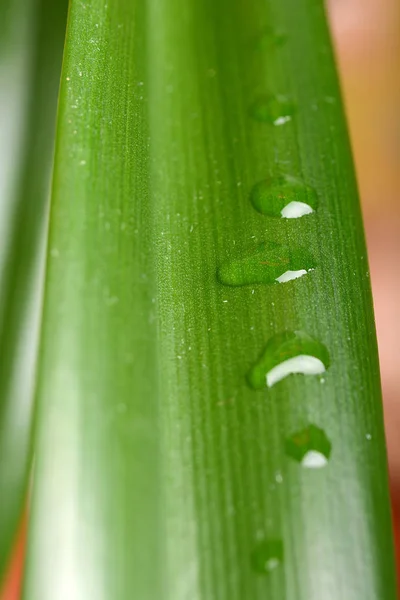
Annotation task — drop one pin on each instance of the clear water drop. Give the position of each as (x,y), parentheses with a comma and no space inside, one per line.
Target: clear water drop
(269,263)
(275,110)
(288,353)
(267,556)
(310,447)
(284,196)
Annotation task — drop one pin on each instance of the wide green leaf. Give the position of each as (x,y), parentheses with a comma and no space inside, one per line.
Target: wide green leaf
(30,61)
(177,282)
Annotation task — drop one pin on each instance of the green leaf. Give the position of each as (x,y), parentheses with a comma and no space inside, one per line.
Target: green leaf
(160,473)
(30,65)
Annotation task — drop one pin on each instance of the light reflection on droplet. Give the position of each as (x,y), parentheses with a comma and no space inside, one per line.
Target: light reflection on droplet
(289,275)
(288,353)
(267,556)
(268,263)
(275,110)
(284,196)
(310,447)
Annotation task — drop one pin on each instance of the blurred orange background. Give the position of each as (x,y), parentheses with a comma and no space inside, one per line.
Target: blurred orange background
(367,39)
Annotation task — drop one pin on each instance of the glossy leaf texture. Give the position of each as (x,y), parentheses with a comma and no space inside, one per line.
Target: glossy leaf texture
(30,64)
(160,472)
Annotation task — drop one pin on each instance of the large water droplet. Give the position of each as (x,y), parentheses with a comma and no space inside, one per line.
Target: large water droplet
(283,196)
(288,353)
(276,110)
(267,556)
(269,263)
(310,447)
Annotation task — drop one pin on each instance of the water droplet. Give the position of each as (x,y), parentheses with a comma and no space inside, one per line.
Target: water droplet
(283,196)
(268,263)
(368,436)
(310,447)
(286,354)
(276,110)
(267,556)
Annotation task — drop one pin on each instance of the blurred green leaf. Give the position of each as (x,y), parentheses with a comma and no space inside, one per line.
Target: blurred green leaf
(160,472)
(30,65)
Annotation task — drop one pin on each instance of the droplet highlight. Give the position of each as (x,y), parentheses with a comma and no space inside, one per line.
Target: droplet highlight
(289,275)
(288,353)
(310,447)
(267,556)
(284,196)
(269,263)
(275,110)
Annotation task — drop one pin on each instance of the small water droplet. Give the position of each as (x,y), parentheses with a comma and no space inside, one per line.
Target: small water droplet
(282,120)
(267,556)
(368,436)
(276,110)
(310,447)
(268,263)
(278,477)
(288,353)
(283,196)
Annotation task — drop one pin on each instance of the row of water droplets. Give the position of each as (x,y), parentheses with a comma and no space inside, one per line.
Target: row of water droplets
(290,352)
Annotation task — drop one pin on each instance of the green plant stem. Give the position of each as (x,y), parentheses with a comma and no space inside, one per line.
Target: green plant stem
(160,473)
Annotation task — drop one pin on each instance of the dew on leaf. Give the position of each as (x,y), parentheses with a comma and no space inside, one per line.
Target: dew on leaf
(267,556)
(269,263)
(283,196)
(310,447)
(288,353)
(276,110)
